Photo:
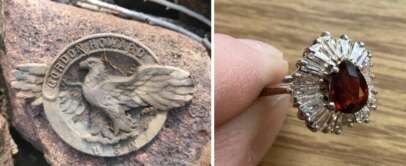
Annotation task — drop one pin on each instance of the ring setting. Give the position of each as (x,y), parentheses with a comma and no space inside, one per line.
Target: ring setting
(333,84)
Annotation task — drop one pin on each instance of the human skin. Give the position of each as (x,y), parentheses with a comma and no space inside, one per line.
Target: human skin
(245,124)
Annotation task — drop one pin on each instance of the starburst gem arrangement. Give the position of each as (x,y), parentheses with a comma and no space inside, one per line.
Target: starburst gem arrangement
(333,85)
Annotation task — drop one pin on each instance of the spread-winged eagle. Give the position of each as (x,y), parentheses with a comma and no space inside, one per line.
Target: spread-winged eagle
(150,86)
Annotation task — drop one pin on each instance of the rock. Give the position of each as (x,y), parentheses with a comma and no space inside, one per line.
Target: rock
(206,155)
(7,145)
(35,31)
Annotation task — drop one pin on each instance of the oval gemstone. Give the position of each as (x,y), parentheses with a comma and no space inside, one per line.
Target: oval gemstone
(348,88)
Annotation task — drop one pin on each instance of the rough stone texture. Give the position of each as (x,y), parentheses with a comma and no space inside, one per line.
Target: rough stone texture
(206,155)
(7,145)
(37,30)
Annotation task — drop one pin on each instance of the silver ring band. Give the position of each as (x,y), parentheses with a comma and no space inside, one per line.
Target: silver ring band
(283,88)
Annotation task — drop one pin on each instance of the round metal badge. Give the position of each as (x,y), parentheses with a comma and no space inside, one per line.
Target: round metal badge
(107,95)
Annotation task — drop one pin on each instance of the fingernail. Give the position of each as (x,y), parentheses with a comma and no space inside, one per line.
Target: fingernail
(262,47)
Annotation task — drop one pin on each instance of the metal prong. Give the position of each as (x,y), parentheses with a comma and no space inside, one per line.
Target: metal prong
(344,36)
(307,51)
(331,106)
(301,62)
(362,44)
(321,97)
(335,69)
(353,61)
(338,131)
(297,75)
(288,78)
(374,91)
(369,54)
(312,129)
(301,115)
(325,34)
(318,40)
(321,80)
(296,104)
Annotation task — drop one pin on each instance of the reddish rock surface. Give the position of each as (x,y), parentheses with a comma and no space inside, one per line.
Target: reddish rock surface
(7,145)
(35,31)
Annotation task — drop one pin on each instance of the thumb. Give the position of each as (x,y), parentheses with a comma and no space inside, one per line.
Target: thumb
(244,140)
(242,69)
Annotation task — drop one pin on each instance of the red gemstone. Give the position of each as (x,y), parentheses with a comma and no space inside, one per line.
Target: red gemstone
(348,88)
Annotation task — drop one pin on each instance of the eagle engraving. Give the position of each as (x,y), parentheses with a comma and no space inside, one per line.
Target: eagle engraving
(102,99)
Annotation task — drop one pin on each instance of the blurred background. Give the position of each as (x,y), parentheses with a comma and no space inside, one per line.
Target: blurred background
(292,25)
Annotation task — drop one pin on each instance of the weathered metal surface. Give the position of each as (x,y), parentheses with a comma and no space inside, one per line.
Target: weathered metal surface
(36,31)
(105,94)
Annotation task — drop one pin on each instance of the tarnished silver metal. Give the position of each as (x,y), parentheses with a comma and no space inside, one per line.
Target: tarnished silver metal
(105,94)
(309,85)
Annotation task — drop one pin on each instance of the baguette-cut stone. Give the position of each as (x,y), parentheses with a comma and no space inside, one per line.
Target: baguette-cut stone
(348,88)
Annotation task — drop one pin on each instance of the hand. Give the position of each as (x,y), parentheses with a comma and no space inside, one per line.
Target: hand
(246,125)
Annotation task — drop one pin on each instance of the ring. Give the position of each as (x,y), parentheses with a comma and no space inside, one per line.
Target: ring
(333,84)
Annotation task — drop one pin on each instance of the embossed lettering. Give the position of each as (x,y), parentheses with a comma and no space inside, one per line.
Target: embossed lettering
(71,53)
(59,66)
(110,42)
(54,75)
(123,45)
(132,48)
(51,83)
(93,44)
(64,58)
(84,46)
(140,53)
(101,42)
(119,133)
(96,149)
(116,149)
(116,43)
(53,78)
